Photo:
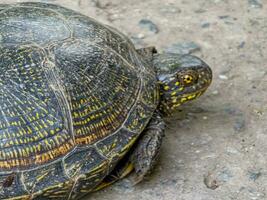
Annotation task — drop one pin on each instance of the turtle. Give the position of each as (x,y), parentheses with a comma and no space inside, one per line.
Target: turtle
(80,106)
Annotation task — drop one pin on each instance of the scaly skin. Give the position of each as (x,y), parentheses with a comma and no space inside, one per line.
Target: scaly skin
(182,78)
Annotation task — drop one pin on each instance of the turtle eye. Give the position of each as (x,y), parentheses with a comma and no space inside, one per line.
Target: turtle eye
(189,78)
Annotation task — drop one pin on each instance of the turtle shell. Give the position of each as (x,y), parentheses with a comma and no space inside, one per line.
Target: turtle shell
(74,97)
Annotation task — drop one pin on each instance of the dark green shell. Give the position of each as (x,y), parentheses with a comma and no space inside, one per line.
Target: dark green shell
(74,96)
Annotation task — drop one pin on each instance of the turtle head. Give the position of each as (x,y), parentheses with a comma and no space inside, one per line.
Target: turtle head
(182,78)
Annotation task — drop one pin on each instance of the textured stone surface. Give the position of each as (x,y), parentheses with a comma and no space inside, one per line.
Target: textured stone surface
(216,147)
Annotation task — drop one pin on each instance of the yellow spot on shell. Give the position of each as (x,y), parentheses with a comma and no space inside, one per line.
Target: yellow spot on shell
(173,93)
(177,83)
(183,99)
(176,105)
(166,87)
(191,96)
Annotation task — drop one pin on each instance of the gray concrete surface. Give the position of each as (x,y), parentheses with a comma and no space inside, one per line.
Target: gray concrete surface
(216,147)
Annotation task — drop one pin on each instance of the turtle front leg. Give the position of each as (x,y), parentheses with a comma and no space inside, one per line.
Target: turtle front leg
(146,152)
(142,157)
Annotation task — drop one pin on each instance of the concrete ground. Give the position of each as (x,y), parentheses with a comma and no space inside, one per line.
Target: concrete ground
(216,147)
